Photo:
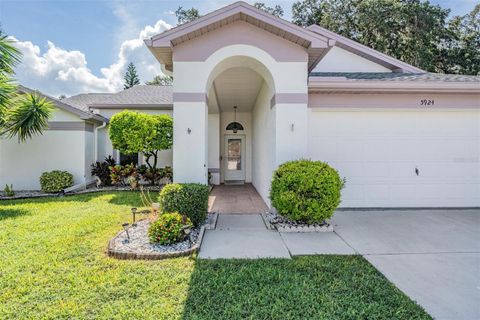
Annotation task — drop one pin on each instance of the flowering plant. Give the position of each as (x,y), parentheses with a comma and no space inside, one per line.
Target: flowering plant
(168,228)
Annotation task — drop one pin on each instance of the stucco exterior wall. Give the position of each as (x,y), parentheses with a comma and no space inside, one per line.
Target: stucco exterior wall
(21,164)
(285,73)
(214,146)
(263,143)
(190,142)
(341,60)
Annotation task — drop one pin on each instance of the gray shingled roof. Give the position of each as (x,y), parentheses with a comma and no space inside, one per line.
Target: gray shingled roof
(393,76)
(139,95)
(82,101)
(83,113)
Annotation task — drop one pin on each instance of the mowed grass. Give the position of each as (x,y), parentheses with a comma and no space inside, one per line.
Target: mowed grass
(53,266)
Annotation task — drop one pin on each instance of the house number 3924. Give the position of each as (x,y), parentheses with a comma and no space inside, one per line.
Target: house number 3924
(427,102)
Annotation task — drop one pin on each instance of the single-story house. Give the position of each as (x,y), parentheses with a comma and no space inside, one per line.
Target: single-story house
(252,91)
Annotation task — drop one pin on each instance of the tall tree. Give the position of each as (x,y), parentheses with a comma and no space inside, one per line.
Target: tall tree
(131,77)
(409,30)
(462,48)
(161,80)
(276,11)
(186,15)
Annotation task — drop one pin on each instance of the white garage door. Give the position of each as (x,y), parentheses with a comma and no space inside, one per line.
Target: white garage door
(378,153)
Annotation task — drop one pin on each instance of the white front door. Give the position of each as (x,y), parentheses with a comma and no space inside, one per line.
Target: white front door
(234,167)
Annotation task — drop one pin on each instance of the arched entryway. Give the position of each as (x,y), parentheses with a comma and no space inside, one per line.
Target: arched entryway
(239,93)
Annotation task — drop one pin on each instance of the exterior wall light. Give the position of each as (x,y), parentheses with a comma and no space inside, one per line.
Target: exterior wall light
(189,130)
(235,128)
(292,127)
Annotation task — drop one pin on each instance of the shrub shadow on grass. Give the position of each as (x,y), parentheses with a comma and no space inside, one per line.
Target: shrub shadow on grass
(316,287)
(12,213)
(130,198)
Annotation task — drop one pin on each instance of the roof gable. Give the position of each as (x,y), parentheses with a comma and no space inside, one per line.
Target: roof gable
(161,45)
(365,52)
(84,115)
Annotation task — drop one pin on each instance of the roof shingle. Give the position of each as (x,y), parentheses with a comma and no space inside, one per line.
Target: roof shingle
(394,76)
(138,95)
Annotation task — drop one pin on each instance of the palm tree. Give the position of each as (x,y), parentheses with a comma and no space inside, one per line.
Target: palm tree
(29,117)
(20,115)
(9,58)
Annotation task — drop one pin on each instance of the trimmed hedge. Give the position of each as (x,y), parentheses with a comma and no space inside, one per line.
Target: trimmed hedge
(190,199)
(306,191)
(55,181)
(167,228)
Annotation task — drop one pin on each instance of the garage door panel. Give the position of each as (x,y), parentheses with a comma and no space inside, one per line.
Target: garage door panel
(377,153)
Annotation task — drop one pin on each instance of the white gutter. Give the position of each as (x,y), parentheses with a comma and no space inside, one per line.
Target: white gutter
(104,124)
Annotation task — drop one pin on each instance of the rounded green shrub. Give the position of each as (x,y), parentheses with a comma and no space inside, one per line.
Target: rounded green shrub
(55,181)
(167,229)
(306,191)
(190,199)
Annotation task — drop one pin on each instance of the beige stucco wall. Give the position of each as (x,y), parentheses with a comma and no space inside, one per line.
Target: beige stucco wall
(341,60)
(21,164)
(214,146)
(263,142)
(282,65)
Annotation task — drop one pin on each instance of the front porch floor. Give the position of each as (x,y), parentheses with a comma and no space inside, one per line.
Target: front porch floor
(236,199)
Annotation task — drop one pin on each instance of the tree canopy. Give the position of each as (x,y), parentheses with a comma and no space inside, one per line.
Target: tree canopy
(414,31)
(161,80)
(133,132)
(131,77)
(277,11)
(186,15)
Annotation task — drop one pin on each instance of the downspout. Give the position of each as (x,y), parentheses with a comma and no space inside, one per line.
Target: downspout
(104,124)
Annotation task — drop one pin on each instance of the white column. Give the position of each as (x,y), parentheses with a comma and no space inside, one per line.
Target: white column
(190,142)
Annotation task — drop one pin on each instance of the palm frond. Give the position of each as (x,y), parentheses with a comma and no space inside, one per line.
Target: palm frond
(7,91)
(9,56)
(28,117)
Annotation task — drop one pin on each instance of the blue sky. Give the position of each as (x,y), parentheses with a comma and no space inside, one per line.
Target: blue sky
(77,46)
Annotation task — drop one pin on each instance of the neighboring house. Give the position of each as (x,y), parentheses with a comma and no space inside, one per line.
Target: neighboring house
(400,136)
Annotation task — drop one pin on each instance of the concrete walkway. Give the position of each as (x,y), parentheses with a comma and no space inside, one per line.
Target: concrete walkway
(242,236)
(431,255)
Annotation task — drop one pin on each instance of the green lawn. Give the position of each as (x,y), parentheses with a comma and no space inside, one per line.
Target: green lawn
(53,266)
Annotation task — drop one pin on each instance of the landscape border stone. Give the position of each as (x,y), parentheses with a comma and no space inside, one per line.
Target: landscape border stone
(289,226)
(122,255)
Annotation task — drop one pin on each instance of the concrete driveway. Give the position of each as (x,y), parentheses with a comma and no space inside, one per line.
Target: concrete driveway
(431,255)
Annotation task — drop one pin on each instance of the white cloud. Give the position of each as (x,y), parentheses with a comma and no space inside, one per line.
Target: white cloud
(57,71)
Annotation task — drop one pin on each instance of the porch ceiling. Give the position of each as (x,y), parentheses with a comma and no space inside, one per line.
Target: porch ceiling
(237,87)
